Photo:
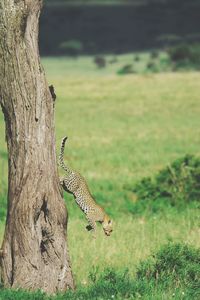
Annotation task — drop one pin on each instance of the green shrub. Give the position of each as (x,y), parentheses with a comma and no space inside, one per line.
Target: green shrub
(100,61)
(154,54)
(6,294)
(136,58)
(111,284)
(71,47)
(176,185)
(165,63)
(179,53)
(185,56)
(127,69)
(174,266)
(152,66)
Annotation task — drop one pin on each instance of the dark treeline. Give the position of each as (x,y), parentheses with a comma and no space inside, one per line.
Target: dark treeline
(92,29)
(113,2)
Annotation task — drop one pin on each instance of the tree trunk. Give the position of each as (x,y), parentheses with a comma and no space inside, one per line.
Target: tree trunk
(34,252)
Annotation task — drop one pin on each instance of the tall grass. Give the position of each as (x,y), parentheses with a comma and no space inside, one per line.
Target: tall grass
(172,272)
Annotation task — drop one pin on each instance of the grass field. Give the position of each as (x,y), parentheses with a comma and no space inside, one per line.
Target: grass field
(120,129)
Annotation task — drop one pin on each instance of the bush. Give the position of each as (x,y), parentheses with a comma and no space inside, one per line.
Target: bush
(154,54)
(179,53)
(136,58)
(176,185)
(100,61)
(71,47)
(185,56)
(127,69)
(6,294)
(174,266)
(152,66)
(111,284)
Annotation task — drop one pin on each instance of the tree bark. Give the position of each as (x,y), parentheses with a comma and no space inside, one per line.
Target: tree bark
(34,251)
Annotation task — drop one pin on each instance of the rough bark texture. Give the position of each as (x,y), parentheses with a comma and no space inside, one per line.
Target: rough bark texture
(34,251)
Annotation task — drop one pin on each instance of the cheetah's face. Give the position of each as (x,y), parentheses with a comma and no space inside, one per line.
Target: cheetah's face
(107,226)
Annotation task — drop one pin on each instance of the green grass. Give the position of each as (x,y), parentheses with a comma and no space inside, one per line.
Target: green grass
(171,272)
(120,129)
(84,65)
(133,240)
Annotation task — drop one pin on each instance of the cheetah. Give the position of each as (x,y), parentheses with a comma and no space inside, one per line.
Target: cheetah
(74,183)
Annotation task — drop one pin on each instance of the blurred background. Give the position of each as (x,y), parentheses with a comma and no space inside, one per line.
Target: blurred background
(115,27)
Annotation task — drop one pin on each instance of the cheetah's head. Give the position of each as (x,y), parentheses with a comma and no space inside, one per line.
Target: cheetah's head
(107,225)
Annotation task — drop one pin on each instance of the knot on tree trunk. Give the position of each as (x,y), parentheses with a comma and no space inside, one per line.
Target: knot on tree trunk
(52,91)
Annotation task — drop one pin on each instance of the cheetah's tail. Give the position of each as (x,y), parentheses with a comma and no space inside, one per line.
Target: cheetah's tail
(61,160)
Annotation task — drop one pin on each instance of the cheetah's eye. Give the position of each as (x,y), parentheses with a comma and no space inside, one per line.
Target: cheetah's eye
(109,221)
